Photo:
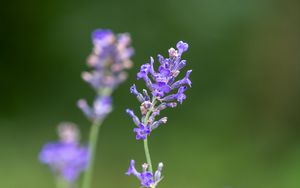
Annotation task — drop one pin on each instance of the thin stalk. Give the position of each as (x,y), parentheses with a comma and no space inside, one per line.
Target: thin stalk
(146,147)
(87,179)
(147,153)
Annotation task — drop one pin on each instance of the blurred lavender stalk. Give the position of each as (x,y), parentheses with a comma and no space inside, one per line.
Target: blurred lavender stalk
(66,157)
(108,61)
(165,92)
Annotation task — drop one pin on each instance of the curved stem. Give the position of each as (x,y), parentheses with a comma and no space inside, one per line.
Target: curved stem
(87,179)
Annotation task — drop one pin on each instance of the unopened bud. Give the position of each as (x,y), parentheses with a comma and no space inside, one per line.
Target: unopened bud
(173,53)
(157,175)
(145,166)
(68,132)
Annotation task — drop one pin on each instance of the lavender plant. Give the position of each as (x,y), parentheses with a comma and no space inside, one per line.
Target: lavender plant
(165,92)
(108,61)
(66,157)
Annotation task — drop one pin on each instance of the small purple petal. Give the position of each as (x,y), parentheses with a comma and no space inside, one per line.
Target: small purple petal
(182,47)
(101,34)
(133,90)
(146,179)
(133,116)
(181,64)
(180,95)
(132,170)
(143,71)
(142,131)
(83,106)
(102,106)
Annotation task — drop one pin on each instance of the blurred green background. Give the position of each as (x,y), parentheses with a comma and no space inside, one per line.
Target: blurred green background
(238,128)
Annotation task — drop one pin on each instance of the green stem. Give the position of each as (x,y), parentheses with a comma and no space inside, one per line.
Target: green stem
(146,147)
(87,179)
(147,153)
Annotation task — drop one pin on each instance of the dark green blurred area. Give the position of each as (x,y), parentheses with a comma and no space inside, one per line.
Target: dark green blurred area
(238,128)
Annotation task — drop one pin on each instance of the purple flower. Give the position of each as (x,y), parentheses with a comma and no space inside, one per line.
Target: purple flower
(141,131)
(132,170)
(165,88)
(134,117)
(101,107)
(166,92)
(146,177)
(108,61)
(143,71)
(136,93)
(180,96)
(161,83)
(102,37)
(182,47)
(66,158)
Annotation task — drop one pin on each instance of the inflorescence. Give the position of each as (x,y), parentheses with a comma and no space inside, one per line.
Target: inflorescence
(146,177)
(165,92)
(66,158)
(109,59)
(161,84)
(108,62)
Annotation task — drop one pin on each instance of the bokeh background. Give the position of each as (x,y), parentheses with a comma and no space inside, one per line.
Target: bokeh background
(238,128)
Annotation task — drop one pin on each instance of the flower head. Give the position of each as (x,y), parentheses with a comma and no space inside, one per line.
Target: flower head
(165,89)
(146,177)
(101,108)
(108,61)
(142,131)
(66,158)
(163,82)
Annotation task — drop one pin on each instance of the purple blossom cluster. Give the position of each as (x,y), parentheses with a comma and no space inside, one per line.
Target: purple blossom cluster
(66,158)
(165,90)
(146,177)
(108,61)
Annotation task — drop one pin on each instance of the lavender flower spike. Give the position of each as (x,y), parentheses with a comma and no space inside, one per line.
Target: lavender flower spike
(166,91)
(146,177)
(108,61)
(66,158)
(101,108)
